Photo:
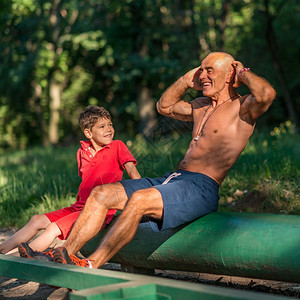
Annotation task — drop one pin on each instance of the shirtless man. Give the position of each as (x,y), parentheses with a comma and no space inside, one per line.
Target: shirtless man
(223,123)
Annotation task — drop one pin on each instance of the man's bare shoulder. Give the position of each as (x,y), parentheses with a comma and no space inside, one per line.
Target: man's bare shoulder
(200,102)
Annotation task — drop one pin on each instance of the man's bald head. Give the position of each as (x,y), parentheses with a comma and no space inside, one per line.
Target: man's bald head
(222,59)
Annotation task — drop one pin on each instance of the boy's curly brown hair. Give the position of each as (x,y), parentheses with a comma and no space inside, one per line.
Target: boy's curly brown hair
(90,115)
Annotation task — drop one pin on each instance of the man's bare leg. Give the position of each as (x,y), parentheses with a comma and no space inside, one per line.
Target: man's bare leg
(89,222)
(144,202)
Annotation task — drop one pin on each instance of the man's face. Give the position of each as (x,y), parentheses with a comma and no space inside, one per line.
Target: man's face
(102,132)
(213,75)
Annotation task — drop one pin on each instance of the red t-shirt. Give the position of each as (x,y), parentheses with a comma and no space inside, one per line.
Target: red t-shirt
(106,166)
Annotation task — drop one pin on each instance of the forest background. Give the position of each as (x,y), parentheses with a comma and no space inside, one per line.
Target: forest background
(57,57)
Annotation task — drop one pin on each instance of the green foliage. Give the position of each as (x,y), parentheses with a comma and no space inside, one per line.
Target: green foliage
(105,52)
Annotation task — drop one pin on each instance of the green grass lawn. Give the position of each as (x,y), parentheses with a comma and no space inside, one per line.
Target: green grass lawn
(264,179)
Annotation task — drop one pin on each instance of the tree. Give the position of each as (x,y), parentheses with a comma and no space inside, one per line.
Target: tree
(274,48)
(57,56)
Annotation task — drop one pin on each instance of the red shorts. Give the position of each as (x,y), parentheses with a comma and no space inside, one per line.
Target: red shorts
(66,217)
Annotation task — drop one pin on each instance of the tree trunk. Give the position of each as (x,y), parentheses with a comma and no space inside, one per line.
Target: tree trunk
(146,110)
(54,86)
(145,102)
(55,95)
(273,47)
(36,105)
(223,22)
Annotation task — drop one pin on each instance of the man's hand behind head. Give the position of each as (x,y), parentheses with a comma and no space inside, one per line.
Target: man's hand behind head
(192,79)
(237,66)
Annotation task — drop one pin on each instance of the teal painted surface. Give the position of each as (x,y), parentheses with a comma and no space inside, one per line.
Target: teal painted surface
(102,284)
(55,274)
(239,244)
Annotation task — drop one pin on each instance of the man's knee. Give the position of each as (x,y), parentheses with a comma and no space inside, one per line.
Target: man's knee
(146,202)
(99,194)
(106,195)
(138,201)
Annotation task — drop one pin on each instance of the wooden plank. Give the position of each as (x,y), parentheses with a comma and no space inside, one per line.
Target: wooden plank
(104,284)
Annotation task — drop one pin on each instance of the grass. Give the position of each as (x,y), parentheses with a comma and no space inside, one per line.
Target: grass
(266,176)
(264,179)
(36,180)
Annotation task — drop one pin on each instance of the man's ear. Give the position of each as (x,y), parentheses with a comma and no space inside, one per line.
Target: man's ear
(231,76)
(87,133)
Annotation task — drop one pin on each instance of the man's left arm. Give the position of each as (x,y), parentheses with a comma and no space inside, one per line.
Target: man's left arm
(262,92)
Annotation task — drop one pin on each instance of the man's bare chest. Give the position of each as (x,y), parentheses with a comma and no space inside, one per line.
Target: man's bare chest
(215,122)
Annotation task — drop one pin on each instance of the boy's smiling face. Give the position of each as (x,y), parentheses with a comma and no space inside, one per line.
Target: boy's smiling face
(101,134)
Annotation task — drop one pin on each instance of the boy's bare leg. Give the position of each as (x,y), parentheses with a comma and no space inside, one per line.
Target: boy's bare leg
(25,234)
(144,202)
(44,240)
(89,222)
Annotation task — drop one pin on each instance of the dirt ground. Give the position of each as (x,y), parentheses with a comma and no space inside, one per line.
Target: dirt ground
(14,289)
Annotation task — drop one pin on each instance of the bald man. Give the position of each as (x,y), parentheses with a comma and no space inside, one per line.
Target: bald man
(223,123)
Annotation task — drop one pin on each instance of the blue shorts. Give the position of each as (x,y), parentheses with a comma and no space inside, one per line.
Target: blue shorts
(186,196)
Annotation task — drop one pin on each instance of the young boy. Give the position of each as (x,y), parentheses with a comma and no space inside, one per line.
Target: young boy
(100,160)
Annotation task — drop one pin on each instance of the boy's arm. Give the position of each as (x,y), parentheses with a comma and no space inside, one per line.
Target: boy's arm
(79,157)
(131,170)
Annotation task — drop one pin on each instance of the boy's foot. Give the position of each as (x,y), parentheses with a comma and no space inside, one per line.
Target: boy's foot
(61,256)
(26,251)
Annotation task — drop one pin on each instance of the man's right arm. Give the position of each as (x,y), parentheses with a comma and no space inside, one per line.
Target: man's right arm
(170,103)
